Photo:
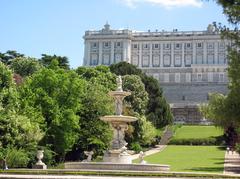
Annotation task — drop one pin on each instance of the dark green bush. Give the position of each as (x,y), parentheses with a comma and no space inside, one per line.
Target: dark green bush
(203,141)
(136,147)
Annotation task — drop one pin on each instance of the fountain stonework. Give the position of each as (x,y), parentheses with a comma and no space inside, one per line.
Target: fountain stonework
(119,123)
(117,158)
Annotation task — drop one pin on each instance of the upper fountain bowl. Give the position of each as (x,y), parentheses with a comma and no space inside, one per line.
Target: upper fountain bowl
(118,118)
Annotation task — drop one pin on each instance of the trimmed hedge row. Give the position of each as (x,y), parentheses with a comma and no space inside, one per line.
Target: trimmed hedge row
(203,141)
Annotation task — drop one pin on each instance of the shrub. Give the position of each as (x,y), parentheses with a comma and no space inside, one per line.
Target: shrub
(17,158)
(203,141)
(136,147)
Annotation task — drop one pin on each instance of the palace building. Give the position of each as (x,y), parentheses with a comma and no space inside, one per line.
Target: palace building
(188,64)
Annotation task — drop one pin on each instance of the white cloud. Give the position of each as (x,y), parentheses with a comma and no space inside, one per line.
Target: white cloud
(163,3)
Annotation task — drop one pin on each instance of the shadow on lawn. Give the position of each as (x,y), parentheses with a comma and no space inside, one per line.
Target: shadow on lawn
(207,169)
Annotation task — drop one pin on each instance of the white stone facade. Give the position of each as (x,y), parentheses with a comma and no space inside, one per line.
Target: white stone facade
(170,57)
(189,64)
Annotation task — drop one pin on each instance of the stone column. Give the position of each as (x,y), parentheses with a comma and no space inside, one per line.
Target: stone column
(172,54)
(129,51)
(204,52)
(140,55)
(100,52)
(182,61)
(86,60)
(150,56)
(161,55)
(124,51)
(216,53)
(194,59)
(112,53)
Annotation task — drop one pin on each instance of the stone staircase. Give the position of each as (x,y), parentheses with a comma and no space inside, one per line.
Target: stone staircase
(166,136)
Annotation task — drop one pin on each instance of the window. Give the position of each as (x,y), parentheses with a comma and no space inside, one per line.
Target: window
(210,77)
(166,60)
(188,77)
(177,46)
(177,77)
(135,46)
(199,45)
(145,46)
(221,45)
(177,60)
(118,44)
(221,77)
(106,44)
(94,45)
(167,46)
(188,60)
(188,45)
(199,77)
(135,60)
(210,45)
(156,46)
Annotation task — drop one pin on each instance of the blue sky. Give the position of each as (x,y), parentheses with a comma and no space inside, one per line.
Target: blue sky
(35,27)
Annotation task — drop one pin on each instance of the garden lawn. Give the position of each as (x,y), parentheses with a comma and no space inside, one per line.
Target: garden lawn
(197,132)
(190,158)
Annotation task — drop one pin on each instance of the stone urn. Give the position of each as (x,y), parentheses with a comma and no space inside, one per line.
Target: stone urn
(40,164)
(39,157)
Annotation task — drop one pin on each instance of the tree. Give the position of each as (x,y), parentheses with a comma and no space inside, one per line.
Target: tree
(100,74)
(25,66)
(94,134)
(17,124)
(225,110)
(63,62)
(158,110)
(57,94)
(138,99)
(7,57)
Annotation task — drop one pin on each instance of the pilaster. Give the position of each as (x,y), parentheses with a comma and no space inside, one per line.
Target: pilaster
(100,53)
(112,53)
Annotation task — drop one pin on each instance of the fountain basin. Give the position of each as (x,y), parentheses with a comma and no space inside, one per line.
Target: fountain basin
(115,166)
(118,118)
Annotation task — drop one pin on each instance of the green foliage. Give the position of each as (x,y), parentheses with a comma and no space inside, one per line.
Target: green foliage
(94,134)
(57,95)
(138,99)
(198,141)
(158,110)
(7,57)
(136,147)
(25,66)
(124,68)
(17,158)
(6,77)
(100,75)
(143,132)
(46,61)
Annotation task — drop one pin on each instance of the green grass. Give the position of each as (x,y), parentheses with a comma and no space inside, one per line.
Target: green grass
(197,132)
(190,158)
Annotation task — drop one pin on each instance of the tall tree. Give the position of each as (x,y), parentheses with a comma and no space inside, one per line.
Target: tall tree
(63,62)
(25,66)
(7,57)
(225,110)
(57,94)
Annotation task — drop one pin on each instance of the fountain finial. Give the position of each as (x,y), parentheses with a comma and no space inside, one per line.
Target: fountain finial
(119,83)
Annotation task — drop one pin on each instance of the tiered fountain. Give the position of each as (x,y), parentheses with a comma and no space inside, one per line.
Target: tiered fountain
(117,152)
(117,158)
